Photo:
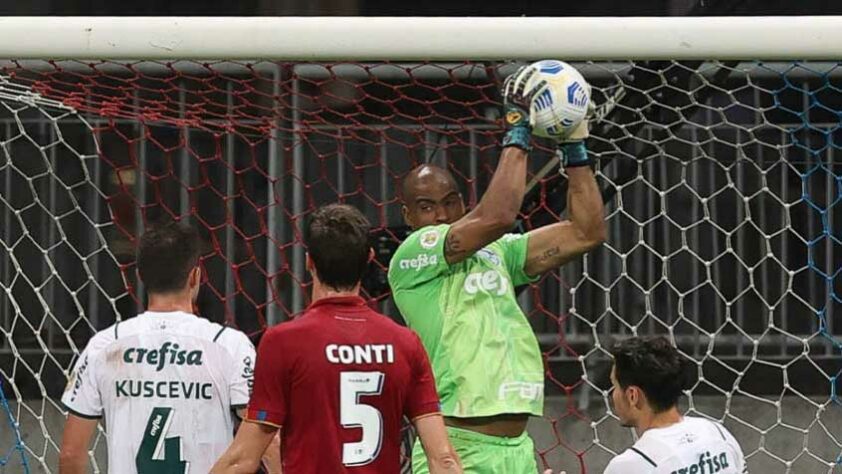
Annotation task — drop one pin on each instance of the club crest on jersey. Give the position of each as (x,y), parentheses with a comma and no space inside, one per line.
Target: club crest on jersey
(429,239)
(168,354)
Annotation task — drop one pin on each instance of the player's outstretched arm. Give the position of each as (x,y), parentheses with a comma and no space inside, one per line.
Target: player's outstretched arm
(245,452)
(78,431)
(441,457)
(496,212)
(552,246)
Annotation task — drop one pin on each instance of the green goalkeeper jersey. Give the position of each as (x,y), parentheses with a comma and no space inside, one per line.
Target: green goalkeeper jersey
(483,351)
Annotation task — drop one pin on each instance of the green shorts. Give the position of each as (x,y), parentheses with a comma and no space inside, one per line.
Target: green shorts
(484,454)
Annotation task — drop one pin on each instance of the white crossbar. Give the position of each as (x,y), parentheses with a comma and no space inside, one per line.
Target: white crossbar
(414,39)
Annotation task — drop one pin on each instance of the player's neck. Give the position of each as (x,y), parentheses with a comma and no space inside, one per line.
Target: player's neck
(169,303)
(321,291)
(659,420)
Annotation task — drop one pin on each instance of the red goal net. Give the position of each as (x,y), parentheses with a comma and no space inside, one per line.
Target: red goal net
(711,197)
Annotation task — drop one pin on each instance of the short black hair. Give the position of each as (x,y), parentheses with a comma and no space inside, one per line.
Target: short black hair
(654,365)
(165,256)
(338,243)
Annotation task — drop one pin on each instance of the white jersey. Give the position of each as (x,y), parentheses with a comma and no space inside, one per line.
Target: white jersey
(692,446)
(167,384)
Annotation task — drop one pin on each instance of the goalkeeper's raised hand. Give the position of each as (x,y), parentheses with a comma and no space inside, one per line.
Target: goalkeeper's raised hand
(571,147)
(516,104)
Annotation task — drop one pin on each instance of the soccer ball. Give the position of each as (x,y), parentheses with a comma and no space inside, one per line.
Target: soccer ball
(563,105)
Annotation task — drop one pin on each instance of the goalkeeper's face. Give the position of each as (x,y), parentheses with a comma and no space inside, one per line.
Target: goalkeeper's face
(431,197)
(433,204)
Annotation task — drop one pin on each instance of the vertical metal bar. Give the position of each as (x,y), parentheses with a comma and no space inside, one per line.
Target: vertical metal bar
(95,214)
(341,154)
(604,269)
(275,219)
(814,291)
(651,265)
(694,211)
(714,214)
(230,211)
(387,305)
(472,166)
(829,248)
(184,157)
(666,236)
(430,145)
(51,237)
(142,192)
(442,148)
(45,187)
(741,246)
(297,196)
(384,180)
(784,242)
(7,232)
(764,214)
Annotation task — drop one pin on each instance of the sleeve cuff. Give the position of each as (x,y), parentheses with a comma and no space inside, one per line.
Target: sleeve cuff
(264,416)
(425,415)
(262,423)
(431,408)
(81,415)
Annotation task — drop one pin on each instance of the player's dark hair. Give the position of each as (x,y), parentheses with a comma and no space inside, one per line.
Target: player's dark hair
(165,256)
(337,241)
(654,365)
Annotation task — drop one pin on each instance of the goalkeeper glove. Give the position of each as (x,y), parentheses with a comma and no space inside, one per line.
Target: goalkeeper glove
(516,104)
(571,150)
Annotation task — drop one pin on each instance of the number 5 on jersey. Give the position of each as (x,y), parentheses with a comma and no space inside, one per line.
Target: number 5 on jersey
(149,459)
(353,414)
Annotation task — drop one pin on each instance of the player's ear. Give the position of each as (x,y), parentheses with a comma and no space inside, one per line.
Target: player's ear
(633,396)
(308,262)
(405,214)
(195,278)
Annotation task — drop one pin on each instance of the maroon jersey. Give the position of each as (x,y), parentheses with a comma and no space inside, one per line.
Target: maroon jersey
(339,380)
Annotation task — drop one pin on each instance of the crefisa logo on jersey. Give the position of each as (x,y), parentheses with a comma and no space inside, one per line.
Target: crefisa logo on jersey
(707,465)
(421,261)
(168,353)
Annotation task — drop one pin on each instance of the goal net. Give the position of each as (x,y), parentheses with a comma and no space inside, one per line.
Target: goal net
(719,177)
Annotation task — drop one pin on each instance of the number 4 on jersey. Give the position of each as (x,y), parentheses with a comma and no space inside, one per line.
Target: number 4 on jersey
(149,459)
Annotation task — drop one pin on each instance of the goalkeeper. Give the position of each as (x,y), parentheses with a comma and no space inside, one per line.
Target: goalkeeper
(453,280)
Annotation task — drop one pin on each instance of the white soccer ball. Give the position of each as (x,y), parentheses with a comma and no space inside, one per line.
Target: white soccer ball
(563,105)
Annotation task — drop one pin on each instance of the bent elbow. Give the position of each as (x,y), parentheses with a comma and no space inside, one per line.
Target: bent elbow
(593,238)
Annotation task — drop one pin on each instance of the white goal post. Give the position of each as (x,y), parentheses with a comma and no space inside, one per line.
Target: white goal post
(421,38)
(716,144)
